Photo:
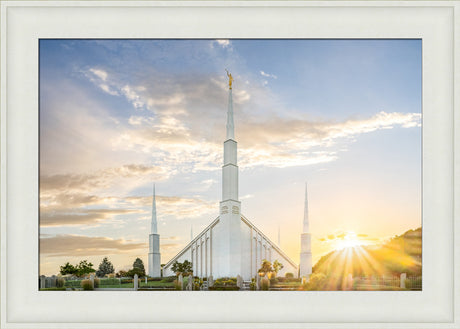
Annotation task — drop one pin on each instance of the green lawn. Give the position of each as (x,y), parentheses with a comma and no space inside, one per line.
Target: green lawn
(156,284)
(115,283)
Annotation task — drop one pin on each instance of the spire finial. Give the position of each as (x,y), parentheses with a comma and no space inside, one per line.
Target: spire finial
(230,79)
(230,126)
(154,229)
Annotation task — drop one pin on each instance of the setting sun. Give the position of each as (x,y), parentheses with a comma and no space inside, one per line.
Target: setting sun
(347,240)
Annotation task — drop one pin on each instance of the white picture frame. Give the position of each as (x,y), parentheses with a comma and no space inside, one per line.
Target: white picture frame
(437,23)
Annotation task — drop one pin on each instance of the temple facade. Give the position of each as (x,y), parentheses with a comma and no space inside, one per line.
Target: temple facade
(231,245)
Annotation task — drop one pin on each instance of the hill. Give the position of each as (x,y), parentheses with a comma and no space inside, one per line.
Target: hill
(401,254)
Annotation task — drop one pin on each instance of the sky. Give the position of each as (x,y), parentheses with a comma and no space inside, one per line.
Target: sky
(117,116)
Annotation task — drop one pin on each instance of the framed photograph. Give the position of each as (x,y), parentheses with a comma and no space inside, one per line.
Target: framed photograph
(155,155)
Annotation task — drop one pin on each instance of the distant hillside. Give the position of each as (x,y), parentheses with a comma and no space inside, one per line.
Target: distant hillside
(402,254)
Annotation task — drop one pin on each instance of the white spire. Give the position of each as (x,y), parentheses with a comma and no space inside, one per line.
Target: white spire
(230,125)
(306,222)
(230,167)
(154,229)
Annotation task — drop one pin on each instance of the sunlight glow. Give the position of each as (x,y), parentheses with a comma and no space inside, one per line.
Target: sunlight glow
(348,240)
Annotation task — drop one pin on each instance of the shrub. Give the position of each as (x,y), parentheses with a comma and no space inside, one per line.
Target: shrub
(169,279)
(265,284)
(73,283)
(60,282)
(87,285)
(317,281)
(289,275)
(225,282)
(177,285)
(273,280)
(252,285)
(96,282)
(197,282)
(110,281)
(224,288)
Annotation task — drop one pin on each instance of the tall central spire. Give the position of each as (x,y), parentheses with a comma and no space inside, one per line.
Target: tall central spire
(230,168)
(229,229)
(154,228)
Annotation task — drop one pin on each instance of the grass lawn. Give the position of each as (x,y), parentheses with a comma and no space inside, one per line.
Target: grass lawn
(123,285)
(156,284)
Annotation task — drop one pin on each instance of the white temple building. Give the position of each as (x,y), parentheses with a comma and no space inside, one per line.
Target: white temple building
(231,245)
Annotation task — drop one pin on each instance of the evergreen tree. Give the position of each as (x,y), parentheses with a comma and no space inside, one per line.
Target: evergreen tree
(139,264)
(105,267)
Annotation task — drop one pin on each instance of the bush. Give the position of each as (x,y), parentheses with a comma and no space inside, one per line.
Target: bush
(289,275)
(177,285)
(317,281)
(224,288)
(252,285)
(265,284)
(60,282)
(73,284)
(169,279)
(110,281)
(96,282)
(197,282)
(87,285)
(273,280)
(155,279)
(224,282)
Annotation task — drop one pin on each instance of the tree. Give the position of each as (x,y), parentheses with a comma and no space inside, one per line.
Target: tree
(135,270)
(265,268)
(184,268)
(68,269)
(139,264)
(84,268)
(105,267)
(277,266)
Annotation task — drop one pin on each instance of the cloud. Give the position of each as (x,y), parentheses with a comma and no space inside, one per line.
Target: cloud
(268,75)
(101,74)
(223,42)
(179,207)
(100,179)
(80,245)
(80,216)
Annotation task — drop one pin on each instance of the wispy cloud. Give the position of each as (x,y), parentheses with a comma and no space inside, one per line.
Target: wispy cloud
(81,216)
(223,42)
(80,245)
(100,179)
(268,75)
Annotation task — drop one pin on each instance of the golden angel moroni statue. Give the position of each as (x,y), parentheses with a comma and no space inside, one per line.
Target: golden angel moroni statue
(230,79)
